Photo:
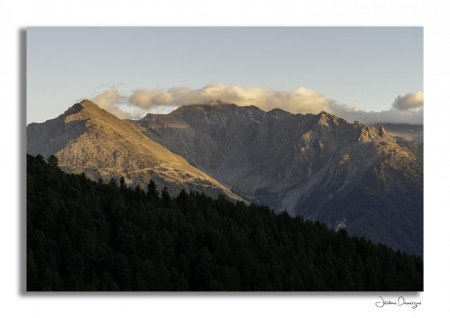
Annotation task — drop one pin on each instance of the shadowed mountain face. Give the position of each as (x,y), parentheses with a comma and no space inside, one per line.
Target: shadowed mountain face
(87,139)
(345,174)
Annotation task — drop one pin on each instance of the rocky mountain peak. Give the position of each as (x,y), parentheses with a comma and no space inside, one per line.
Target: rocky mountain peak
(84,105)
(88,139)
(369,133)
(382,132)
(85,110)
(327,119)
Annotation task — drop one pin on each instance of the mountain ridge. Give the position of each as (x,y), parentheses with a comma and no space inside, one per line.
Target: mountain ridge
(88,139)
(307,164)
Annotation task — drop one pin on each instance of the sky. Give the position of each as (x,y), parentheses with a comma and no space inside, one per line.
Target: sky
(358,73)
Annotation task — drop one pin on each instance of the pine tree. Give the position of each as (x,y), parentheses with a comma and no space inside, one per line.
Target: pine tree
(122,184)
(152,193)
(53,161)
(165,197)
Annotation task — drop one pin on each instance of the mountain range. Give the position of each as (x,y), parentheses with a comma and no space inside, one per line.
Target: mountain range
(87,139)
(360,177)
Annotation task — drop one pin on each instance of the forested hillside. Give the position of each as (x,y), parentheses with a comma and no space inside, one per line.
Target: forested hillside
(83,235)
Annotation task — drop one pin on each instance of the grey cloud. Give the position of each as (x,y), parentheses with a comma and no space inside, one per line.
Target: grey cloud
(410,101)
(386,116)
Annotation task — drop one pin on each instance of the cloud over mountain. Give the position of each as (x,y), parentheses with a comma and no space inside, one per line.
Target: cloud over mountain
(117,104)
(405,109)
(299,100)
(110,100)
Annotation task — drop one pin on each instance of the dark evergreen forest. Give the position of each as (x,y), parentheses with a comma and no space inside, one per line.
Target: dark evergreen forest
(93,236)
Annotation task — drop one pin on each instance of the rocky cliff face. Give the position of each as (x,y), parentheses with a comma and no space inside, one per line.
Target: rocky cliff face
(320,166)
(87,139)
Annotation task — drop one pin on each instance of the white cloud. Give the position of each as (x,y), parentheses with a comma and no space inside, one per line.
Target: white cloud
(145,99)
(116,104)
(409,101)
(110,100)
(405,109)
(299,100)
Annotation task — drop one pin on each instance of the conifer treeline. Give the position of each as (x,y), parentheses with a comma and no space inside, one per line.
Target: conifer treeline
(83,235)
